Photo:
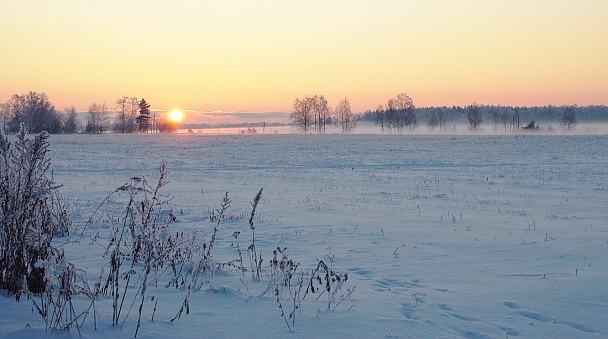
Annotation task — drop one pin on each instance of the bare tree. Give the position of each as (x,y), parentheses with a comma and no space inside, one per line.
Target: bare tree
(16,109)
(343,116)
(440,117)
(406,105)
(321,112)
(96,118)
(400,112)
(495,111)
(303,112)
(515,122)
(70,124)
(311,112)
(475,116)
(380,117)
(505,117)
(433,121)
(121,114)
(132,113)
(569,117)
(164,125)
(392,115)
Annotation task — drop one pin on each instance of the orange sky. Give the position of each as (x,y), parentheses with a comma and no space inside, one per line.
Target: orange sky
(256,56)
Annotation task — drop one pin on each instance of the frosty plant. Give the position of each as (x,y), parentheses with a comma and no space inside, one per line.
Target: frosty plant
(221,212)
(55,303)
(255,259)
(241,268)
(330,282)
(30,216)
(144,239)
(198,264)
(282,270)
(287,283)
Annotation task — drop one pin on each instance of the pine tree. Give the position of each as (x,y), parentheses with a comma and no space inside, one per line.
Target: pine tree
(143,120)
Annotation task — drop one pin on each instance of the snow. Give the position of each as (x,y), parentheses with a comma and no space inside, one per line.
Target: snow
(441,235)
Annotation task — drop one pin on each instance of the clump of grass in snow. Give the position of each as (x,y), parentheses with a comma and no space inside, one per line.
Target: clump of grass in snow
(287,283)
(255,258)
(282,270)
(330,282)
(144,239)
(141,248)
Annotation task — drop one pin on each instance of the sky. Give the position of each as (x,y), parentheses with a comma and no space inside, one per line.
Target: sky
(258,56)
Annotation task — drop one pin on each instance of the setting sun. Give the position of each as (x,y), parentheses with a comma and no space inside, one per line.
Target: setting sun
(176,115)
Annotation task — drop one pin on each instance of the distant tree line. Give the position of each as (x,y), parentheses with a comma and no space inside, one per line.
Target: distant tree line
(498,117)
(38,114)
(313,114)
(310,114)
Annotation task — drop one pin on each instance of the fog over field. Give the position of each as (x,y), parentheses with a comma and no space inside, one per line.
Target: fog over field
(438,235)
(365,127)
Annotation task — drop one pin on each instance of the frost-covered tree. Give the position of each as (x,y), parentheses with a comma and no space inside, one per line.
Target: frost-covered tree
(121,114)
(505,116)
(96,118)
(433,121)
(4,116)
(29,217)
(70,123)
(311,112)
(343,116)
(302,115)
(380,117)
(516,116)
(132,113)
(569,117)
(35,110)
(436,118)
(322,112)
(400,112)
(127,111)
(474,115)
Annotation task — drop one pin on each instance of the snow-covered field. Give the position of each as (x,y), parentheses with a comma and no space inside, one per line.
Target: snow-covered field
(441,235)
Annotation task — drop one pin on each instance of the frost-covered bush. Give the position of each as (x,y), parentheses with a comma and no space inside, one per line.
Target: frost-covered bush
(31,214)
(143,250)
(144,240)
(287,281)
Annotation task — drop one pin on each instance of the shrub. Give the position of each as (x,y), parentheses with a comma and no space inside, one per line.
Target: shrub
(31,214)
(145,240)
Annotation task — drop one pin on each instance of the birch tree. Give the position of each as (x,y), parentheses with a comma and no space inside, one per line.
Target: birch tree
(343,116)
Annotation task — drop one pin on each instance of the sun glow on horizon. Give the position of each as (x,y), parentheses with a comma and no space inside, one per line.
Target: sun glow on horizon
(176,115)
(441,53)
